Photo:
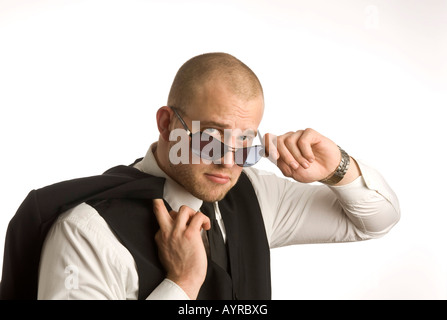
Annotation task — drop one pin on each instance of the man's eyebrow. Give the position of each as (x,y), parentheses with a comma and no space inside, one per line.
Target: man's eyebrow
(219,125)
(213,124)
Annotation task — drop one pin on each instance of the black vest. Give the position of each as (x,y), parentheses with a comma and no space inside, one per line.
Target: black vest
(134,223)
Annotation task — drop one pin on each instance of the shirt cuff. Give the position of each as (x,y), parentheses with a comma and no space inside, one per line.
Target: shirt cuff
(168,290)
(369,185)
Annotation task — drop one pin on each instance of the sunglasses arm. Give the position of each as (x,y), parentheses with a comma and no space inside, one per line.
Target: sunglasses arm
(188,132)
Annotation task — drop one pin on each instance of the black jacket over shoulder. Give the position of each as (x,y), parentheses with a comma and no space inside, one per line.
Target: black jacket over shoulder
(123,197)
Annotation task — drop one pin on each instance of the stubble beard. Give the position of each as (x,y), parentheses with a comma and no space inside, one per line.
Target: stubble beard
(197,184)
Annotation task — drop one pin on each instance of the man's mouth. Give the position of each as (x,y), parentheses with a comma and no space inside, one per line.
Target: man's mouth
(218,178)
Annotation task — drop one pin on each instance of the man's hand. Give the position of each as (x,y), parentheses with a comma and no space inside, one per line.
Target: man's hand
(307,156)
(180,246)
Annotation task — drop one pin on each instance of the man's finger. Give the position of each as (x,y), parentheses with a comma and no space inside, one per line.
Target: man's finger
(291,143)
(162,214)
(307,139)
(184,214)
(285,168)
(271,151)
(199,221)
(285,153)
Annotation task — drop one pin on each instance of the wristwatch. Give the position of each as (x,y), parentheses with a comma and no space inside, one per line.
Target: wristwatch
(341,170)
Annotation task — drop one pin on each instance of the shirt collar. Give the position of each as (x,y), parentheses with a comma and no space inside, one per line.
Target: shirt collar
(174,194)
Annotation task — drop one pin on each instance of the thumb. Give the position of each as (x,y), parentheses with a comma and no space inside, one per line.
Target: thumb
(270,143)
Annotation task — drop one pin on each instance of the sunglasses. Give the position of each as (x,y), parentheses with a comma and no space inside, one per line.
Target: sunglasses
(209,147)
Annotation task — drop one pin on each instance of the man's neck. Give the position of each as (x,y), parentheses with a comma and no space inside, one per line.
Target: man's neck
(162,163)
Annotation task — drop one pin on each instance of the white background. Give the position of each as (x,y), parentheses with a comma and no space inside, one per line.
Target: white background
(80,82)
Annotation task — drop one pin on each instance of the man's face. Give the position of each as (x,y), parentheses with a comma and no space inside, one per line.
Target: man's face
(231,118)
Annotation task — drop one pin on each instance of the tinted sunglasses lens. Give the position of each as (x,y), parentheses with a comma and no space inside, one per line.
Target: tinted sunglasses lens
(207,147)
(247,157)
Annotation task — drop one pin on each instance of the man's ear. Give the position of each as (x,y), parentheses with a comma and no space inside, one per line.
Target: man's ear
(164,116)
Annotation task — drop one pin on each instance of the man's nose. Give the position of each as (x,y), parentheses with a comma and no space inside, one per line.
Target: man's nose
(228,159)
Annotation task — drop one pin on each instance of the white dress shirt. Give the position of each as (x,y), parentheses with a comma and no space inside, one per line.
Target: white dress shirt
(82,259)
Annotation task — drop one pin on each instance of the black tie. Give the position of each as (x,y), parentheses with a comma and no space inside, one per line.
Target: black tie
(218,250)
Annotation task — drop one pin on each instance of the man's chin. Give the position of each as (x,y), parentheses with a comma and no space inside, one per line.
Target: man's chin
(204,187)
(212,196)
(211,192)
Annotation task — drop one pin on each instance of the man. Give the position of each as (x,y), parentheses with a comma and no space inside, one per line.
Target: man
(215,102)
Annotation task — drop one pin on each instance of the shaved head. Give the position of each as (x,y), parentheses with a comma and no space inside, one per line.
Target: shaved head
(197,71)
(217,92)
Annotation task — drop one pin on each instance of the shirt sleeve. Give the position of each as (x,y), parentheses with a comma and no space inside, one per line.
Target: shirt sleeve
(168,290)
(83,260)
(297,213)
